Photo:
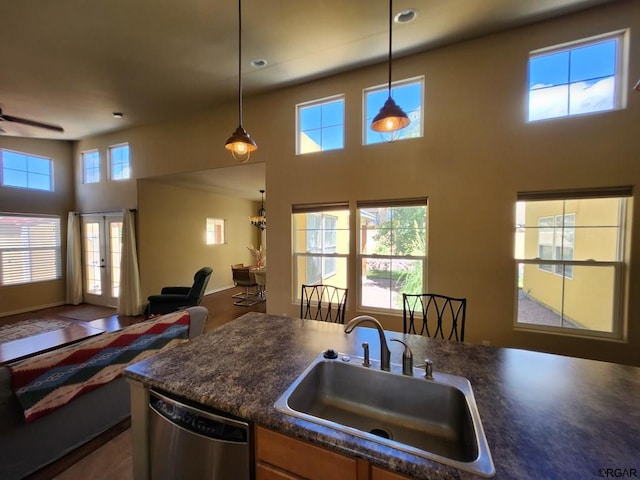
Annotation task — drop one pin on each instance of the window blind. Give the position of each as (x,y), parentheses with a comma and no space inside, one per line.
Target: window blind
(605,192)
(29,249)
(319,207)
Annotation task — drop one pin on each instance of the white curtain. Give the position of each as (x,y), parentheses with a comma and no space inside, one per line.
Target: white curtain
(74,260)
(129,302)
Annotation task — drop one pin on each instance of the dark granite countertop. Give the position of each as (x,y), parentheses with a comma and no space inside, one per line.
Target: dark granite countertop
(545,416)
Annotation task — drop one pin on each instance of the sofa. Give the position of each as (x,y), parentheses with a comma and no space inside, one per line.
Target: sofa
(27,446)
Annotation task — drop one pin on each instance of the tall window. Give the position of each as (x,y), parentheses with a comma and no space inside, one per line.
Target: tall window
(23,170)
(408,95)
(393,251)
(320,245)
(119,158)
(215,231)
(29,249)
(320,125)
(582,77)
(91,166)
(570,257)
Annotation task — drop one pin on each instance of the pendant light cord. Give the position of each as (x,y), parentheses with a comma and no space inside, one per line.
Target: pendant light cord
(390,25)
(240,61)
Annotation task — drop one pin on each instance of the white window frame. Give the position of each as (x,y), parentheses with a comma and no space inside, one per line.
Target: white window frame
(32,241)
(414,115)
(620,74)
(324,213)
(619,265)
(112,164)
(88,171)
(216,231)
(320,103)
(27,172)
(361,257)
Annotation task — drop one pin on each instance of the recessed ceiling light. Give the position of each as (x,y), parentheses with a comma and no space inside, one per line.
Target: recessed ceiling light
(406,16)
(258,62)
(118,114)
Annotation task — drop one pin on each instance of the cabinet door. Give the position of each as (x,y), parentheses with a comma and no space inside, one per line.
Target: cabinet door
(266,472)
(381,474)
(301,458)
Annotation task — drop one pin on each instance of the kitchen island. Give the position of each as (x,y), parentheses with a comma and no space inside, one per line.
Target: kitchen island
(545,416)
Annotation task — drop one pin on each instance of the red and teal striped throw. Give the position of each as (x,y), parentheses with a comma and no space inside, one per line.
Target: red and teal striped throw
(50,380)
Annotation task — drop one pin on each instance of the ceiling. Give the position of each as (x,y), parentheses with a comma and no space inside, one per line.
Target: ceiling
(75,62)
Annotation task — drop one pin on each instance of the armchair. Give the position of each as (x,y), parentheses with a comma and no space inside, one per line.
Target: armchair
(175,298)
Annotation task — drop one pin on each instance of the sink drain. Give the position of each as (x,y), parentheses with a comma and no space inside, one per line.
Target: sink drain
(380,433)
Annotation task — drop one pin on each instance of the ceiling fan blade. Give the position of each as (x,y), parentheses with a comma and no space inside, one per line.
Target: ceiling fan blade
(31,123)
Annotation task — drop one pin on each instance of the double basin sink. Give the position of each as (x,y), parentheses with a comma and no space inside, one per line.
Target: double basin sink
(436,419)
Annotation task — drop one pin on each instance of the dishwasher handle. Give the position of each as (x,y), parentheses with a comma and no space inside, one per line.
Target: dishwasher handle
(201,422)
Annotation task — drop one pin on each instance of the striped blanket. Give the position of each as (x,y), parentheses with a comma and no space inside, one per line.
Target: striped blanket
(49,381)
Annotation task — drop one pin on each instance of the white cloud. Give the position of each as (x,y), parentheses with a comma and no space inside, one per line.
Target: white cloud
(584,97)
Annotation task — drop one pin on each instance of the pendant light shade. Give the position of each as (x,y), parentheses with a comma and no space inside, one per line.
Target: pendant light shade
(240,143)
(390,117)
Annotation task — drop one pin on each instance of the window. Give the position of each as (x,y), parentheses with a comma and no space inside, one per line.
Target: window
(23,170)
(91,166)
(120,168)
(29,249)
(393,251)
(555,242)
(582,77)
(321,245)
(570,254)
(408,96)
(215,231)
(320,125)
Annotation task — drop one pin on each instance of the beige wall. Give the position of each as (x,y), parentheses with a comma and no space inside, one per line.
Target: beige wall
(477,153)
(20,298)
(172,230)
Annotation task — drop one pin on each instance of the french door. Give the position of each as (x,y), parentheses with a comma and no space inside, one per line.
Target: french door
(101,252)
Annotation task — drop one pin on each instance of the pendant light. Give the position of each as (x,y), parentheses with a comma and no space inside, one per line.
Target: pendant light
(390,117)
(240,143)
(260,220)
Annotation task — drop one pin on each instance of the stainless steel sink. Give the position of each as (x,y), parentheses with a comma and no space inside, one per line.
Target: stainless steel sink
(436,419)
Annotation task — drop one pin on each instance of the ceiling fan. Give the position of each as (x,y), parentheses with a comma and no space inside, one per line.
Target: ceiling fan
(31,123)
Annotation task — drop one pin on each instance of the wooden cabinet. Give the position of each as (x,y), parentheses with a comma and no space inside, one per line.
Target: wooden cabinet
(381,474)
(280,457)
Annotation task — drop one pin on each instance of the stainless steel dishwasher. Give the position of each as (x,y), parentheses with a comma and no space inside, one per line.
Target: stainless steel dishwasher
(187,442)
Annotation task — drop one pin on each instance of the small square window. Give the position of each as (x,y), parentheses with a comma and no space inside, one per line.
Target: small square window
(23,170)
(408,95)
(320,125)
(216,231)
(120,166)
(91,166)
(584,77)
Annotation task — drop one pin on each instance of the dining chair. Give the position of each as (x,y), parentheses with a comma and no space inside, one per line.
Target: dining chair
(242,277)
(433,315)
(323,302)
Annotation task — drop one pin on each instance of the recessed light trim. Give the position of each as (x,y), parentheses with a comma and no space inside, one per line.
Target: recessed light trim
(406,16)
(118,115)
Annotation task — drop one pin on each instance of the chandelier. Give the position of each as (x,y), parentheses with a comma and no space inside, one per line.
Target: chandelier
(260,220)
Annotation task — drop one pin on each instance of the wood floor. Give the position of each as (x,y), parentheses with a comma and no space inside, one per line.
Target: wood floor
(108,457)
